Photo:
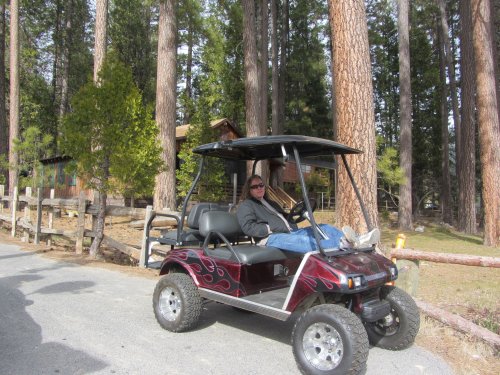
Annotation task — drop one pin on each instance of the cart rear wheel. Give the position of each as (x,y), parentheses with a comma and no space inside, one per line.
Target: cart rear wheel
(176,302)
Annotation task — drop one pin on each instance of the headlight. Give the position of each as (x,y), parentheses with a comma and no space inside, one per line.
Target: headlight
(355,282)
(394,272)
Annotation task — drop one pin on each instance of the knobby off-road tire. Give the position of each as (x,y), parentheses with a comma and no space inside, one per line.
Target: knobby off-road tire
(176,302)
(330,340)
(397,330)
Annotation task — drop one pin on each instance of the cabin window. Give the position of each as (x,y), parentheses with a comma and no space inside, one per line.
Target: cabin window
(305,168)
(72,180)
(61,177)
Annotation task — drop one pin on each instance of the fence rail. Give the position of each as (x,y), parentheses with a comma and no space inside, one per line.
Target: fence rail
(445,317)
(21,219)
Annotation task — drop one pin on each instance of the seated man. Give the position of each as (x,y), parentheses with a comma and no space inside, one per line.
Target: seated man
(264,220)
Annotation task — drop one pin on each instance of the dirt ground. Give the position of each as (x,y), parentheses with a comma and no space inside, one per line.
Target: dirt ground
(465,354)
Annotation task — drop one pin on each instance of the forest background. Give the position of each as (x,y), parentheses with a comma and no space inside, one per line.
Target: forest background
(60,44)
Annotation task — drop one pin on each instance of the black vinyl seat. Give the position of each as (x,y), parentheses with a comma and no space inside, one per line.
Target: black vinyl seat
(190,234)
(222,228)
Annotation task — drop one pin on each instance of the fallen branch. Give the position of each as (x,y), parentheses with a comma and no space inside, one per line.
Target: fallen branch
(459,323)
(466,260)
(110,242)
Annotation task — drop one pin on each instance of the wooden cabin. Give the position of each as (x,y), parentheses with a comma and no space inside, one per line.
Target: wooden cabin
(55,177)
(69,185)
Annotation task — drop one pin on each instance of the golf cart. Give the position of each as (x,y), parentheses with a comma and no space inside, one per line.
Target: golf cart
(342,296)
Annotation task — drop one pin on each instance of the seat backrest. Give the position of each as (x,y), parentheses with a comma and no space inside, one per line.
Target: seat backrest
(220,221)
(193,220)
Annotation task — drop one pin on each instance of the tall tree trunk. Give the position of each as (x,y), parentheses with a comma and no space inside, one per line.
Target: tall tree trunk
(466,166)
(101,213)
(252,100)
(4,130)
(166,82)
(274,68)
(101,21)
(263,79)
(100,45)
(276,173)
(354,110)
(405,198)
(445,150)
(489,128)
(189,70)
(495,33)
(66,59)
(282,66)
(264,59)
(56,65)
(450,66)
(14,94)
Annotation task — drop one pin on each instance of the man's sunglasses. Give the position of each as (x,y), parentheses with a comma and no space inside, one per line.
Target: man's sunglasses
(253,187)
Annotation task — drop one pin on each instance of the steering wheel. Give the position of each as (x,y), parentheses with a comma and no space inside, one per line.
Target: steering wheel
(299,211)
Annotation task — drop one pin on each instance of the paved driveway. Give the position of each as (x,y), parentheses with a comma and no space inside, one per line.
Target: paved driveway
(61,318)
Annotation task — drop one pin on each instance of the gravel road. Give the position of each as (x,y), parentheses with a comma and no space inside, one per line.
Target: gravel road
(61,318)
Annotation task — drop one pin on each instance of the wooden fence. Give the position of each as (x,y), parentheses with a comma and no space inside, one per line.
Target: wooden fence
(453,320)
(21,220)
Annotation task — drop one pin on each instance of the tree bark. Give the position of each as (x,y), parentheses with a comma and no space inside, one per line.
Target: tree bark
(466,166)
(495,27)
(56,65)
(66,58)
(264,58)
(4,130)
(445,148)
(274,67)
(252,100)
(354,111)
(405,189)
(101,21)
(189,72)
(166,81)
(282,66)
(14,94)
(488,122)
(101,213)
(263,79)
(276,174)
(448,53)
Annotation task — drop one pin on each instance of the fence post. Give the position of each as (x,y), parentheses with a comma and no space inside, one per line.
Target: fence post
(13,211)
(95,202)
(2,193)
(27,215)
(80,231)
(144,245)
(38,229)
(51,216)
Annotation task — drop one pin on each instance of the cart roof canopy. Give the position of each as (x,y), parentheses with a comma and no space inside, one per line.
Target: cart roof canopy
(272,146)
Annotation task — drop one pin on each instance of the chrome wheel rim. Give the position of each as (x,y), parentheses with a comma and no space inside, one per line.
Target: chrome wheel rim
(170,303)
(323,346)
(389,325)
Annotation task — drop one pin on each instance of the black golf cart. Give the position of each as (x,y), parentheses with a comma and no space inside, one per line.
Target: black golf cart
(344,297)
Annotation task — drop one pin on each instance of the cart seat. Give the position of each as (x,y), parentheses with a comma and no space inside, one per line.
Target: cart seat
(190,234)
(215,223)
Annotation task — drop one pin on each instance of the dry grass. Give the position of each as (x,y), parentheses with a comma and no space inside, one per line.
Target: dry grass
(466,355)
